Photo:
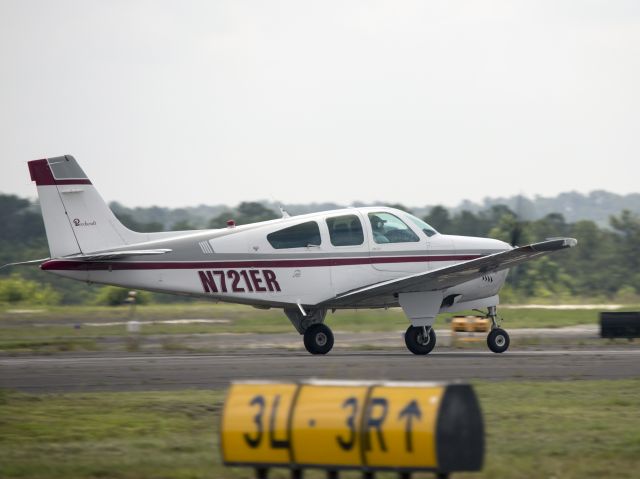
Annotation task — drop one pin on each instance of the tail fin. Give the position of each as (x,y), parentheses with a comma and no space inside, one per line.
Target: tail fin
(76,218)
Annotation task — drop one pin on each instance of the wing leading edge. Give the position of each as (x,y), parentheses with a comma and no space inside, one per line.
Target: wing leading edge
(449,275)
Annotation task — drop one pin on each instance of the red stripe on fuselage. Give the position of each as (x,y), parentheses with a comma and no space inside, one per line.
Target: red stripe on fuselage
(69,265)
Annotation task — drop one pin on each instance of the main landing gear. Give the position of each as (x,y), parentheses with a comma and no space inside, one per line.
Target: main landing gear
(318,338)
(498,339)
(420,339)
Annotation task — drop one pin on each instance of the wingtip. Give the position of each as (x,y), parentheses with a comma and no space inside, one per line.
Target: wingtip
(554,244)
(570,242)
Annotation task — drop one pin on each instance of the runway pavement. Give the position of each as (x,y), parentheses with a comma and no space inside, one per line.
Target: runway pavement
(135,372)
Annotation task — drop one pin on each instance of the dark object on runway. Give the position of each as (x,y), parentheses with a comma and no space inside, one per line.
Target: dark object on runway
(620,324)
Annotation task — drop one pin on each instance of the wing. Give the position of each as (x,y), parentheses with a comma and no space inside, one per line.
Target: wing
(386,292)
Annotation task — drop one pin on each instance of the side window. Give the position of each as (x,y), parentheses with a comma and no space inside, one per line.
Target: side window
(388,228)
(298,236)
(345,230)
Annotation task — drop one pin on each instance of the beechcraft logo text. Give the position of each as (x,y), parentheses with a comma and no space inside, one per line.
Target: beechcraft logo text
(77,222)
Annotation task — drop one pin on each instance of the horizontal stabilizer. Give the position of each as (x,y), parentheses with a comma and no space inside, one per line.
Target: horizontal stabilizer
(118,254)
(24,263)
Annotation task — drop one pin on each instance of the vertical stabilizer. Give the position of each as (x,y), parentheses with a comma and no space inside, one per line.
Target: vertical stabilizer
(76,218)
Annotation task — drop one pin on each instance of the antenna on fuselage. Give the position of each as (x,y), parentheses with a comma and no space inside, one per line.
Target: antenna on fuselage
(283,212)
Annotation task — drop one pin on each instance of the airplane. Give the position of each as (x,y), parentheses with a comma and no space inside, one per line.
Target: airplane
(352,258)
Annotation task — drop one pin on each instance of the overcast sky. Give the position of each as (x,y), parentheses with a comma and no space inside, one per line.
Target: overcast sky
(181,103)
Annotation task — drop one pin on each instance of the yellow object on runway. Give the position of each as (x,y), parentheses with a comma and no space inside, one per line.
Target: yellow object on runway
(470,324)
(333,425)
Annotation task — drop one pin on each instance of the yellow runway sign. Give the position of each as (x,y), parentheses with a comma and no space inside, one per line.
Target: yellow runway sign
(400,428)
(255,423)
(353,425)
(325,430)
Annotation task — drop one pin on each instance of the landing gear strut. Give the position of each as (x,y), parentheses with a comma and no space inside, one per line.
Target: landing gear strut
(498,339)
(420,339)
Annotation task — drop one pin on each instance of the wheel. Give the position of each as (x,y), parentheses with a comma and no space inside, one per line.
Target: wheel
(318,339)
(498,340)
(417,342)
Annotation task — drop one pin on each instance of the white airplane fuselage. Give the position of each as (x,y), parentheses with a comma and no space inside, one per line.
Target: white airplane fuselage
(241,265)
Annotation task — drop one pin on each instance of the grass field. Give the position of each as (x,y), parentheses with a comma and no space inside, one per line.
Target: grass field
(571,429)
(247,319)
(74,328)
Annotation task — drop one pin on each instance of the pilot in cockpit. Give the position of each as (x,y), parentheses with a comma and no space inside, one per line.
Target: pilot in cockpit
(377,225)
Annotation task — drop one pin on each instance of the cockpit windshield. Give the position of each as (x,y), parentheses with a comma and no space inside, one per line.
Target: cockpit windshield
(425,227)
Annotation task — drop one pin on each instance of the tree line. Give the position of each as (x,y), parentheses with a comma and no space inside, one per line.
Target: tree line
(605,265)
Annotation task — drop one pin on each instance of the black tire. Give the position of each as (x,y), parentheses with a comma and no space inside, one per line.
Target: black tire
(498,340)
(318,339)
(417,343)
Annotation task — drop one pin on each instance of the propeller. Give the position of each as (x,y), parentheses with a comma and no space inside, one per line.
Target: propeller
(516,231)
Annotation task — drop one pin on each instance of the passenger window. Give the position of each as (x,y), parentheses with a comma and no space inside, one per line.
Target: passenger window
(345,230)
(388,228)
(298,236)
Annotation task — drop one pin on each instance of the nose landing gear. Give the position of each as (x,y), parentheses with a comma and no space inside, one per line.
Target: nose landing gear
(498,339)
